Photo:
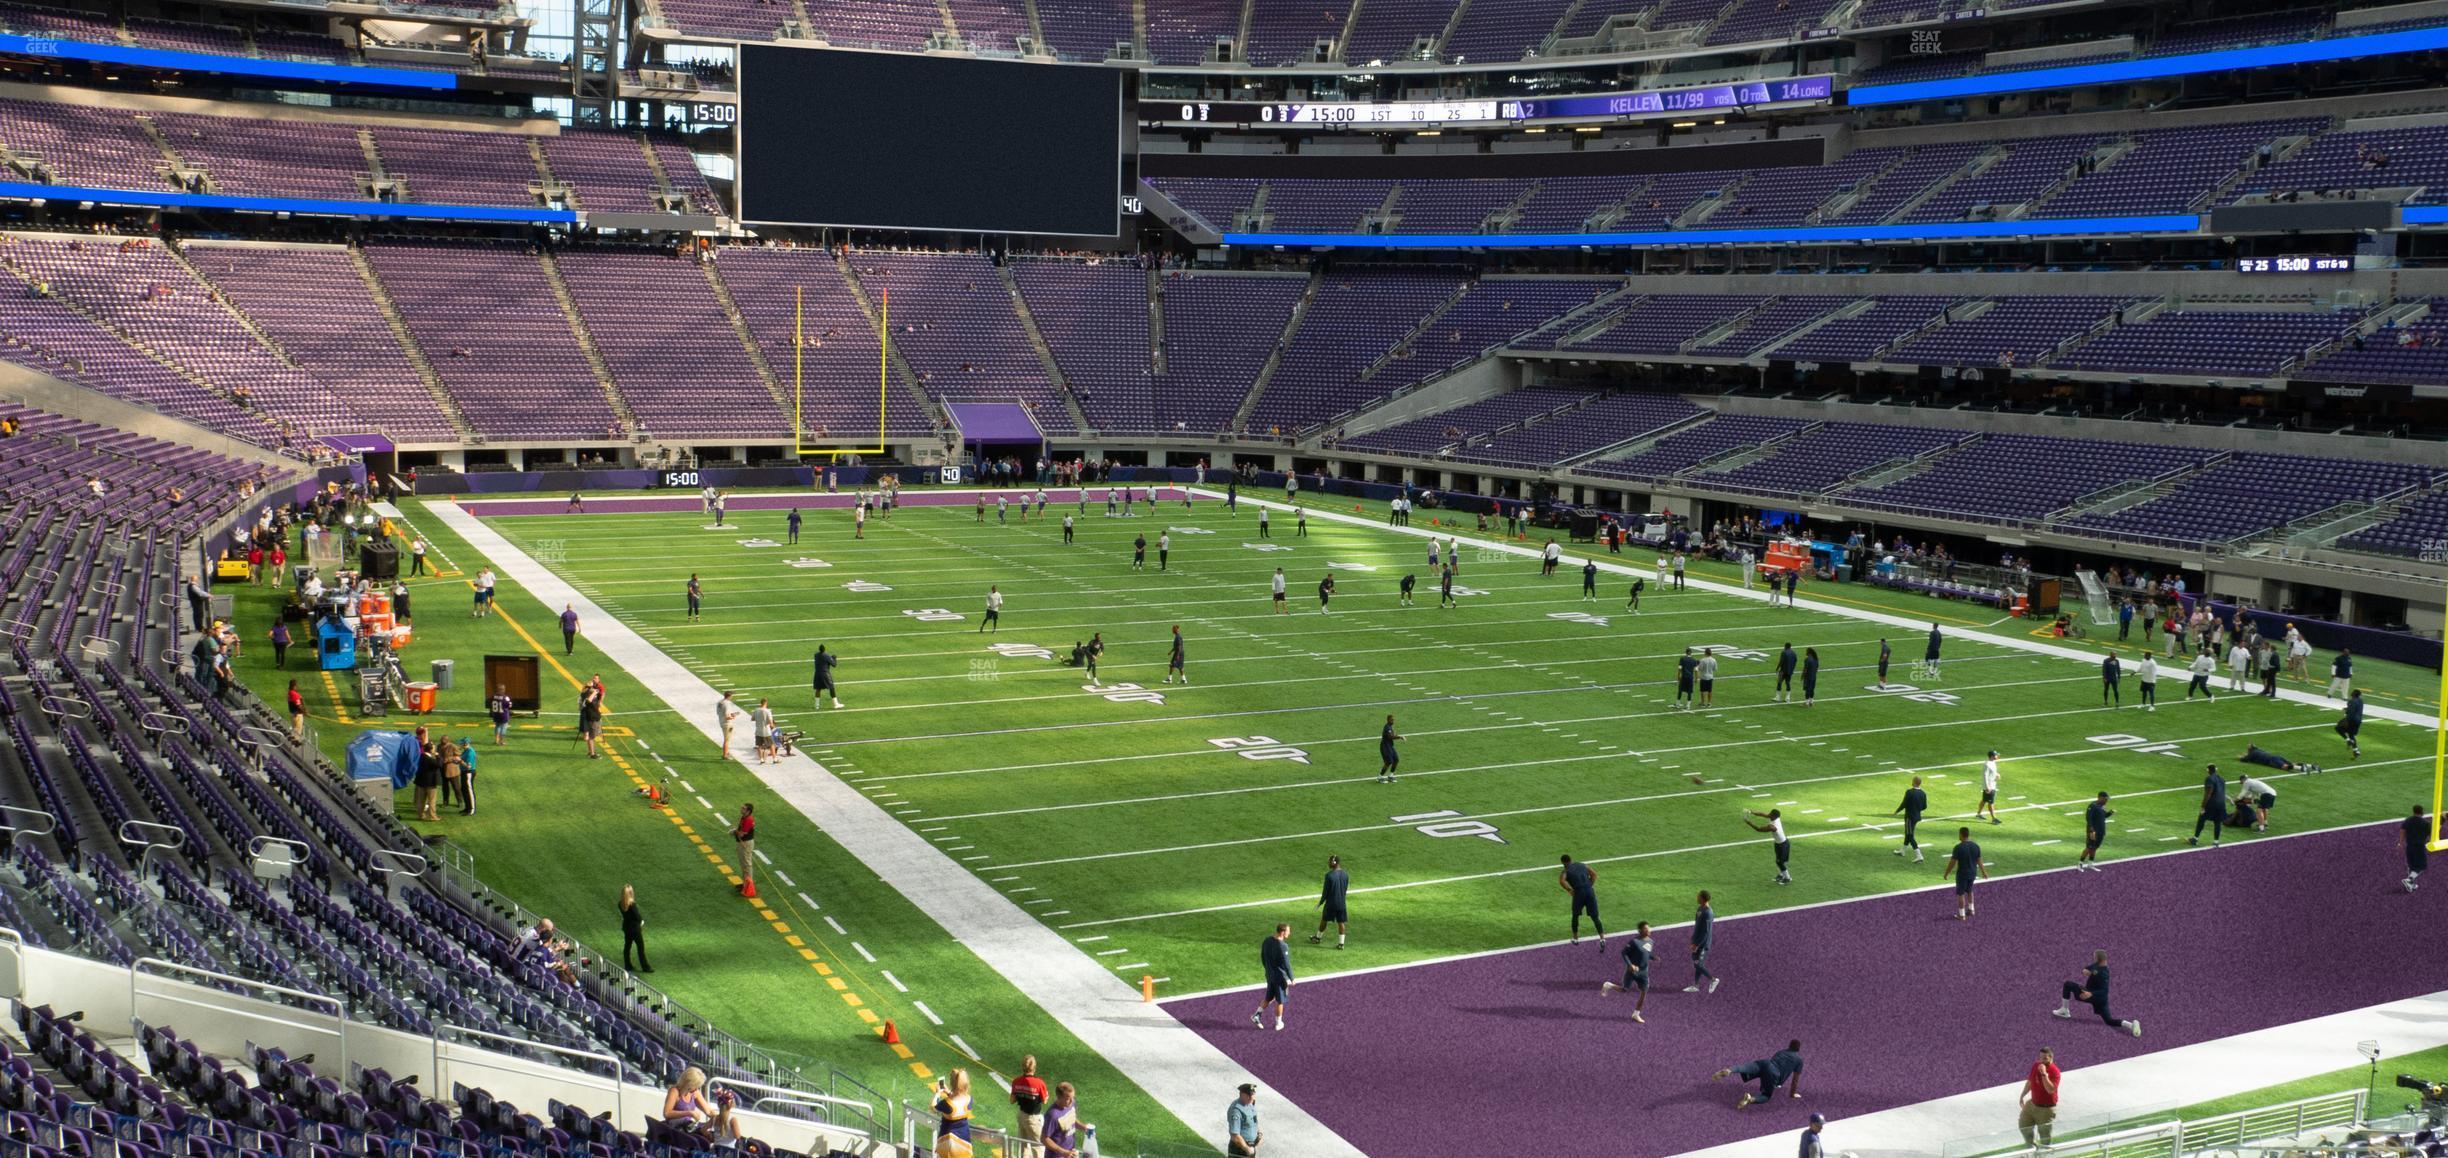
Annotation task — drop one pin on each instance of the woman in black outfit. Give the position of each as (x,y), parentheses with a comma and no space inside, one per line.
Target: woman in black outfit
(633,929)
(428,775)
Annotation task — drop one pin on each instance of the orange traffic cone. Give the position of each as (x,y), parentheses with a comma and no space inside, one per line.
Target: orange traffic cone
(891,1036)
(748,889)
(1147,987)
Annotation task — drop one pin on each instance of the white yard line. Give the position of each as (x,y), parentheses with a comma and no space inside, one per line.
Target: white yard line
(1176,1066)
(2136,1086)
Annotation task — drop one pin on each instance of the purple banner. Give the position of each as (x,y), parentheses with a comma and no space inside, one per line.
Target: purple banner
(1001,422)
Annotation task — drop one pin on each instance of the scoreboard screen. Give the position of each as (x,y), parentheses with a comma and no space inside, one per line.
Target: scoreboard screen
(887,141)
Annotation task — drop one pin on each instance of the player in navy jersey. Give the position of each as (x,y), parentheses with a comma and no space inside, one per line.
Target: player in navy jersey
(1582,882)
(1637,955)
(1703,937)
(2095,832)
(1331,903)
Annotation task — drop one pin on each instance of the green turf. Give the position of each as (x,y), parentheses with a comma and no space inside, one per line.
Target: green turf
(1123,823)
(2386,1099)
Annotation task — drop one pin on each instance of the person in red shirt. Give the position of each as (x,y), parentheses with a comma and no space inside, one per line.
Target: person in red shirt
(2039,1117)
(297,712)
(1028,1093)
(745,833)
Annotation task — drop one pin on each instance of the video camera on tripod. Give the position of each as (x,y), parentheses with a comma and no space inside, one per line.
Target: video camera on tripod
(2434,1106)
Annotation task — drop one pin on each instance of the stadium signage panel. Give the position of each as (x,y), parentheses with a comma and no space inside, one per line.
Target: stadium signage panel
(2296,263)
(140,57)
(1656,102)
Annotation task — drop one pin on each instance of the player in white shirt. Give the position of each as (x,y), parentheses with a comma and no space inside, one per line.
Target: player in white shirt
(2298,654)
(1281,607)
(1989,789)
(2148,673)
(1775,828)
(2238,658)
(994,610)
(2264,799)
(1661,575)
(2202,667)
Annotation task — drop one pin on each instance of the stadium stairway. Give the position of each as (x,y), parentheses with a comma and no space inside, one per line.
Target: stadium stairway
(1274,362)
(936,414)
(1156,323)
(1045,352)
(1411,339)
(415,352)
(586,340)
(739,325)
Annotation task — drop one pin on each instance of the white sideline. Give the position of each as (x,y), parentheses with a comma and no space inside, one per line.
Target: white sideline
(1177,1067)
(2131,1086)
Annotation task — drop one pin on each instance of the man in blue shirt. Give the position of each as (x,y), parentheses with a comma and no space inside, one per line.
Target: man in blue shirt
(2213,808)
(1771,1071)
(1176,658)
(1241,1123)
(1915,803)
(1810,676)
(1589,581)
(1582,882)
(1811,1146)
(2125,614)
(2341,674)
(1275,957)
(1637,954)
(1886,654)
(1330,903)
(696,597)
(1965,861)
(1784,679)
(569,628)
(1703,935)
(2093,990)
(794,524)
(2095,830)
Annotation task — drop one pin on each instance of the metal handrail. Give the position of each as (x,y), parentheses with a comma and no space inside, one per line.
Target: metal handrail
(819,1103)
(132,833)
(620,1069)
(56,705)
(339,1005)
(9,811)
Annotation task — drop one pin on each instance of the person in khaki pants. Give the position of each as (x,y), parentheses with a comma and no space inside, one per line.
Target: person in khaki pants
(2039,1116)
(1028,1095)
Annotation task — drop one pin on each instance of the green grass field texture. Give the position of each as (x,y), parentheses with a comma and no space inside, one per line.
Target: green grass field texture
(1166,837)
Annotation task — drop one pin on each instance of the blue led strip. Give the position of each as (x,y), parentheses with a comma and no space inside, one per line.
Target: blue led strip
(1798,235)
(307,206)
(2424,214)
(2150,68)
(44,46)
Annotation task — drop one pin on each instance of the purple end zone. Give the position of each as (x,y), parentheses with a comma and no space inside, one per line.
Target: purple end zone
(814,501)
(1895,1002)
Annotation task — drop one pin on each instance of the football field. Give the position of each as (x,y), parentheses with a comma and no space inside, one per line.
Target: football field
(1164,828)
